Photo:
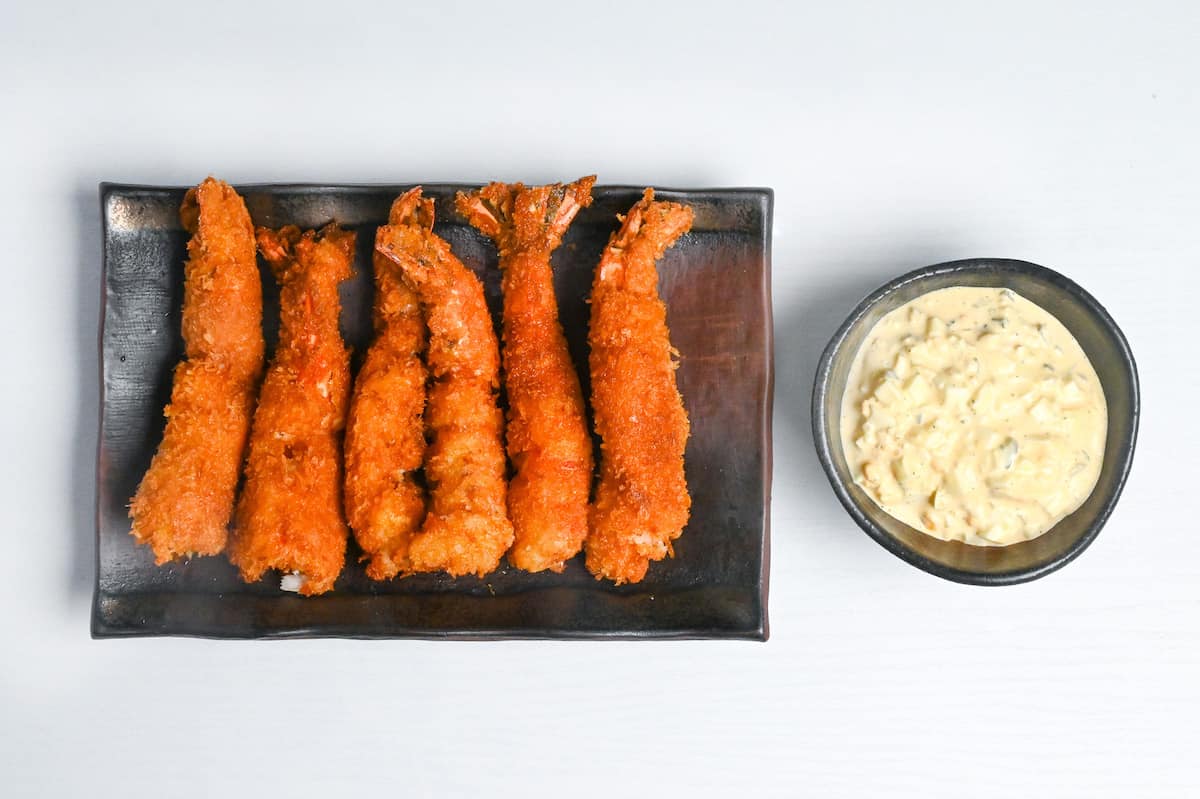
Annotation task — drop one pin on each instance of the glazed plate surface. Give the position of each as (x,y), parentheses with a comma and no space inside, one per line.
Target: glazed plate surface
(716,283)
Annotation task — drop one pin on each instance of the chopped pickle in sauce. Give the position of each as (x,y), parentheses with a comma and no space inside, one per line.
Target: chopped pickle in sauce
(973,415)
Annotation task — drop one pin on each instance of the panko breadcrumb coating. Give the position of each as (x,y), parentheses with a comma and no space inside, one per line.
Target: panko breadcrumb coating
(642,501)
(385,433)
(548,440)
(184,503)
(467,530)
(289,516)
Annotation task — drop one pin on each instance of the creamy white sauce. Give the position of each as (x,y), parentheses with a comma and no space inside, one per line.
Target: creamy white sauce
(973,415)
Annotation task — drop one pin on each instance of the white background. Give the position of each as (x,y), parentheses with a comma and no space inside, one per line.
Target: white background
(894,136)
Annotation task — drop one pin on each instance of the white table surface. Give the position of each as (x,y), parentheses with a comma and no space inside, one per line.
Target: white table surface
(893,139)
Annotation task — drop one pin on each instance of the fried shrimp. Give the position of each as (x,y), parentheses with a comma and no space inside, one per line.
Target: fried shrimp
(466,530)
(289,516)
(642,501)
(385,433)
(185,500)
(548,439)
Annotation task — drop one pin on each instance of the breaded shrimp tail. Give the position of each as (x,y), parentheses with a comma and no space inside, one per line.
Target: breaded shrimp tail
(466,530)
(548,439)
(385,433)
(185,500)
(642,501)
(289,516)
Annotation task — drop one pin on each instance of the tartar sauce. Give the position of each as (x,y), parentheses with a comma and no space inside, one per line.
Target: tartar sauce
(971,414)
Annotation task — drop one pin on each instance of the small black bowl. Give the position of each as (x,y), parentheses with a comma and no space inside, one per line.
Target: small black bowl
(1106,348)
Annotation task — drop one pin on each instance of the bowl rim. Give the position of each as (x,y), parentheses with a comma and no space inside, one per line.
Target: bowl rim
(822,432)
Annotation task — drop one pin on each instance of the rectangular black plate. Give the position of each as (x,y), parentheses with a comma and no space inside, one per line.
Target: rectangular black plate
(716,283)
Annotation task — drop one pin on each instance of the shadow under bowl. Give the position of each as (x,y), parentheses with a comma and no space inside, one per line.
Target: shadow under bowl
(1109,354)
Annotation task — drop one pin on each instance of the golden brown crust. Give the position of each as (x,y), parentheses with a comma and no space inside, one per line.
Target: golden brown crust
(289,516)
(642,502)
(385,431)
(548,440)
(185,500)
(467,529)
